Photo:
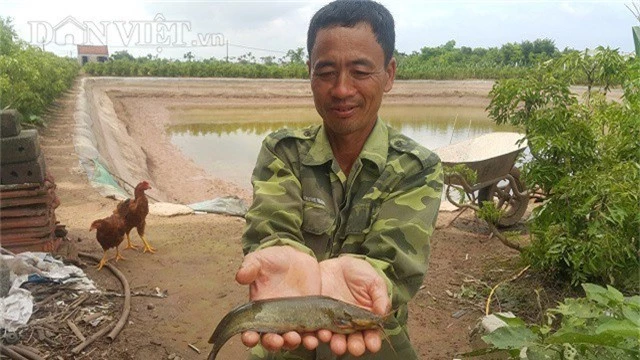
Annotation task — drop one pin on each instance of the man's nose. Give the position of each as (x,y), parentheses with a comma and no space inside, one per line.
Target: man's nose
(343,86)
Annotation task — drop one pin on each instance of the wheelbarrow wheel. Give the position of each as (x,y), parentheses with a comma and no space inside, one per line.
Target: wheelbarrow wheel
(506,199)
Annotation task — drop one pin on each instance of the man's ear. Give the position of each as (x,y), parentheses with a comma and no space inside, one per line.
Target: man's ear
(391,74)
(309,67)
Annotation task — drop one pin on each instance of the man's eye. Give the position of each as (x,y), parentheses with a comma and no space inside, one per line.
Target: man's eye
(360,74)
(325,74)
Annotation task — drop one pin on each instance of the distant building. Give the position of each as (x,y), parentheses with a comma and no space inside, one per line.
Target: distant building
(91,53)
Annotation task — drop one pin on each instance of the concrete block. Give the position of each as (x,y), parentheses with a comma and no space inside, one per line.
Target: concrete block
(26,172)
(10,122)
(21,148)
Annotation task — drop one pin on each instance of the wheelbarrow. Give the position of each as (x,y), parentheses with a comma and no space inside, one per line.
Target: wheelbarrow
(492,157)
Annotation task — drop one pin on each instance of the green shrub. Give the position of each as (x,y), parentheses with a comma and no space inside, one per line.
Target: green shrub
(30,79)
(586,158)
(602,325)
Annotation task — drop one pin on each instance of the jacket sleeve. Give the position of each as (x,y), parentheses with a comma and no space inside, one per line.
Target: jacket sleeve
(397,244)
(275,217)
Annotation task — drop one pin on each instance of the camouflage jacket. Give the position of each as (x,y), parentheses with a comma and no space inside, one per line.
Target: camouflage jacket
(384,212)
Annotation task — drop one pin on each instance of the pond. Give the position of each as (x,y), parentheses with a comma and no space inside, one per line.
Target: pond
(225,140)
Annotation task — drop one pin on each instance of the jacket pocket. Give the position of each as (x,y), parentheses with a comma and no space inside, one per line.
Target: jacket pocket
(316,219)
(360,218)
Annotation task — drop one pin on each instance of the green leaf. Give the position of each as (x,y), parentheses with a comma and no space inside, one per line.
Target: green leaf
(615,294)
(481,352)
(511,321)
(632,314)
(620,328)
(578,309)
(596,293)
(633,301)
(543,353)
(508,337)
(574,337)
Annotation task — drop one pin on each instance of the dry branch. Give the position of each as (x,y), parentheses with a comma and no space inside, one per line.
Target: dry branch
(75,330)
(29,354)
(12,354)
(76,350)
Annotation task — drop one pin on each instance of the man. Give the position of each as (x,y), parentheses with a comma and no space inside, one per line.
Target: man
(343,209)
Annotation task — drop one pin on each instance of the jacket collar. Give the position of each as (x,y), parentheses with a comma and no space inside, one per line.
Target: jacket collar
(375,149)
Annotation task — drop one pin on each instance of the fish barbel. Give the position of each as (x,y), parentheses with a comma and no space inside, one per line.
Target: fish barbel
(302,314)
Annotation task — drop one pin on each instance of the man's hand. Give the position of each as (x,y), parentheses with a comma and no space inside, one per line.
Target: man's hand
(278,271)
(354,281)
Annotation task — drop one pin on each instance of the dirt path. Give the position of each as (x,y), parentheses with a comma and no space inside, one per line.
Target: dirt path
(198,255)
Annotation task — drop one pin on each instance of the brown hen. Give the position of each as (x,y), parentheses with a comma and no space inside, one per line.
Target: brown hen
(135,213)
(109,233)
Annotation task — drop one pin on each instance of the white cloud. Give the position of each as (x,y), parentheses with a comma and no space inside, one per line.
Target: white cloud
(282,25)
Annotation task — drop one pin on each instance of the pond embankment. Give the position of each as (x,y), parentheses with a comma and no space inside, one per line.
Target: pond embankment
(121,125)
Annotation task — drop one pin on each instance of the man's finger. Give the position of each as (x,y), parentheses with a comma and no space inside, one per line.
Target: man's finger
(248,271)
(380,297)
(272,342)
(310,341)
(338,344)
(250,338)
(355,344)
(291,340)
(373,340)
(324,335)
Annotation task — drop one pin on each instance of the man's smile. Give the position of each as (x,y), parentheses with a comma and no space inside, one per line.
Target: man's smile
(344,111)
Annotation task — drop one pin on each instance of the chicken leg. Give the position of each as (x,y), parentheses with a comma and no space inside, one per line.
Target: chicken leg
(118,256)
(147,246)
(103,261)
(129,244)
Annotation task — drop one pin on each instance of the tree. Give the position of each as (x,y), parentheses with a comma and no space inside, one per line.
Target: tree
(268,60)
(30,78)
(122,55)
(247,58)
(8,37)
(296,56)
(511,54)
(586,159)
(189,56)
(545,47)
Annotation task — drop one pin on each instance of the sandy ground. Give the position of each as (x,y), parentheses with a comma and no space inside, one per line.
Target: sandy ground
(198,255)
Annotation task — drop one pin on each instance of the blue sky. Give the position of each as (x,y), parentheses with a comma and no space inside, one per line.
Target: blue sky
(203,27)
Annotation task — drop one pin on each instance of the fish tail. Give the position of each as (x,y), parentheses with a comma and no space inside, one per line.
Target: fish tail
(214,352)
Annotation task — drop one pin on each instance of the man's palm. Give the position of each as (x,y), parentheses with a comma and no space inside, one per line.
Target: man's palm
(279,272)
(274,272)
(354,281)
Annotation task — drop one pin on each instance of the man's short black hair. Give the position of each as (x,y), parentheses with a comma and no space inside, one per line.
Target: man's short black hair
(348,13)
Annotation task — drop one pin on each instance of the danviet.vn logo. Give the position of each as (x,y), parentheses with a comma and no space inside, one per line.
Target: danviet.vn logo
(158,33)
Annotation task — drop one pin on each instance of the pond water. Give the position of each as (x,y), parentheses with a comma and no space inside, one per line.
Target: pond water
(225,141)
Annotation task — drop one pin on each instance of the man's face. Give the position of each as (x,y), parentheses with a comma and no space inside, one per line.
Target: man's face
(348,78)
